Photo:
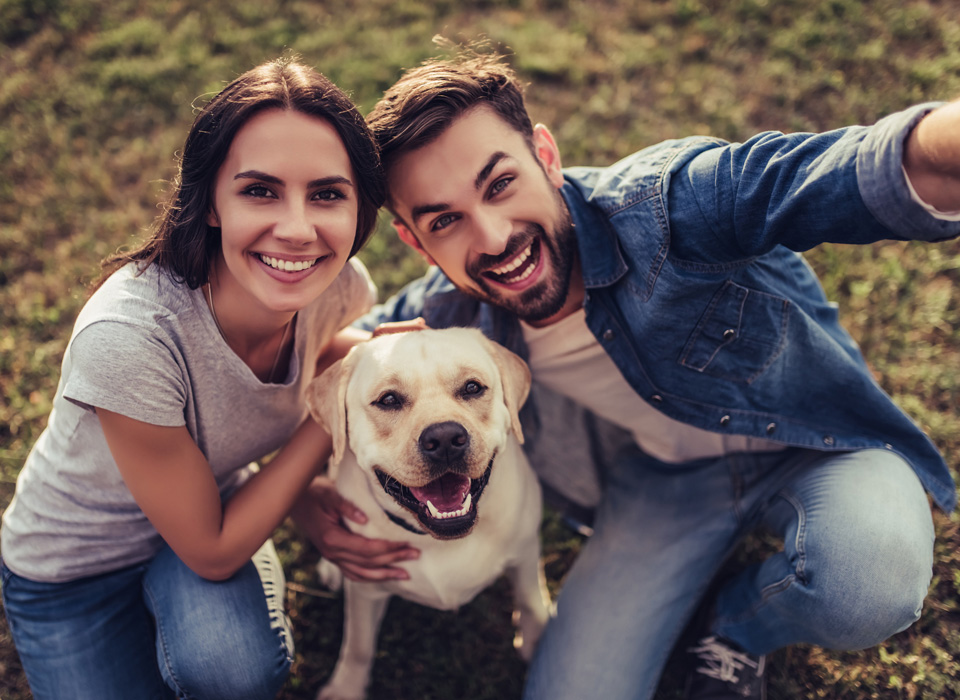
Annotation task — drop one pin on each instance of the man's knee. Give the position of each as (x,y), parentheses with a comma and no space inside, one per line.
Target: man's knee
(879,593)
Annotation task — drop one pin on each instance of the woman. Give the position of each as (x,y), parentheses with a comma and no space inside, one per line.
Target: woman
(127,569)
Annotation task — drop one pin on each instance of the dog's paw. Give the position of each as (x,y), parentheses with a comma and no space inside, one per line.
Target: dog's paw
(331,577)
(529,626)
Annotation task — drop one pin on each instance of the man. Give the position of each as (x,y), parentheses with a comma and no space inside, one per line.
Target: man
(666,295)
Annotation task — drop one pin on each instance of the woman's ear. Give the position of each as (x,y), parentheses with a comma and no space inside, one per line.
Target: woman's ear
(212,218)
(545,147)
(408,237)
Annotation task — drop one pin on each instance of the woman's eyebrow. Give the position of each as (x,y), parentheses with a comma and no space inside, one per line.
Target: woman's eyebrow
(274,180)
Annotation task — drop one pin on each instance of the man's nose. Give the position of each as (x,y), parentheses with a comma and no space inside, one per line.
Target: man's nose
(295,225)
(490,234)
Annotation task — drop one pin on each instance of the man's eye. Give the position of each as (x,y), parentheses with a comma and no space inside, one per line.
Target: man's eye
(472,389)
(500,185)
(389,401)
(442,222)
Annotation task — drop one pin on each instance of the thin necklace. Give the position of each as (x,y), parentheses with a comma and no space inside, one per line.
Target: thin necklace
(283,336)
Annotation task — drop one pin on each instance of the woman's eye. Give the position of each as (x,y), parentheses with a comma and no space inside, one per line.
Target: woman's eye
(472,389)
(257,191)
(390,400)
(328,195)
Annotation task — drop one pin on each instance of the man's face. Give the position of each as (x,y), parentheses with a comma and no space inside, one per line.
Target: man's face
(477,202)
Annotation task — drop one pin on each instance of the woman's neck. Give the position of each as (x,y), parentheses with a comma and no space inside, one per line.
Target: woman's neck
(261,339)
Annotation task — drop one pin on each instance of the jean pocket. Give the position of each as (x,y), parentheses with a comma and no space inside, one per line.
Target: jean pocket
(739,335)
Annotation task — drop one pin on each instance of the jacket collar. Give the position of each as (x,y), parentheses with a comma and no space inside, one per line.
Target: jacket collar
(601,262)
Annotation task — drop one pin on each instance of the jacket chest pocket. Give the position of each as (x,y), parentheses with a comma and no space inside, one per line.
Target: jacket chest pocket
(739,335)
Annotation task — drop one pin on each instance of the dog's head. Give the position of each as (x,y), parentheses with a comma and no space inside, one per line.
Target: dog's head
(425,413)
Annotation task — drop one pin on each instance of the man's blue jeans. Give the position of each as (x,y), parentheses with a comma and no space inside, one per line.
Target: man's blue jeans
(855,567)
(153,631)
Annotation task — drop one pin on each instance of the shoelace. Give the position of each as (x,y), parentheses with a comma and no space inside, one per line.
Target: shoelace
(722,662)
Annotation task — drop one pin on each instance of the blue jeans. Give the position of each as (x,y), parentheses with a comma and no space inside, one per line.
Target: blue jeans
(855,567)
(153,631)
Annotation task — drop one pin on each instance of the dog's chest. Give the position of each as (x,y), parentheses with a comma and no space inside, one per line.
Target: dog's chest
(452,574)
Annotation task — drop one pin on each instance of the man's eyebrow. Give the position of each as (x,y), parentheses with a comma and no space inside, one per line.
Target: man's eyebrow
(274,180)
(488,168)
(423,209)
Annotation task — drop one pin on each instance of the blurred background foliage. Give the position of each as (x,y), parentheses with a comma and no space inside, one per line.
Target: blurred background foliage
(96,98)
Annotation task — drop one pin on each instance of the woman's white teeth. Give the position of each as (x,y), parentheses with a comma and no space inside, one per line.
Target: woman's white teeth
(437,515)
(288,265)
(515,263)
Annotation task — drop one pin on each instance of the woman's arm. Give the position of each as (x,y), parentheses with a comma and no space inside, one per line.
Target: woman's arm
(171,481)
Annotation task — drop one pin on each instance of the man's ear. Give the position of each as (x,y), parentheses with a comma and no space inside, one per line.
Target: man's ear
(407,236)
(549,155)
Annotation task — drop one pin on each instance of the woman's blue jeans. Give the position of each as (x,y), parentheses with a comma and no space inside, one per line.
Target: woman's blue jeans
(855,567)
(153,631)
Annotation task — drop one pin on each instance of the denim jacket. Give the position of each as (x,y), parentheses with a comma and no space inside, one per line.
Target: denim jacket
(695,286)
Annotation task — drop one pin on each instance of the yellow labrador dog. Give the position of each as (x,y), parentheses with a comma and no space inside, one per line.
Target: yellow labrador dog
(426,439)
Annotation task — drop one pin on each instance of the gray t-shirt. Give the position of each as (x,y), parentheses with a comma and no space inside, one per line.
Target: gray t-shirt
(148,348)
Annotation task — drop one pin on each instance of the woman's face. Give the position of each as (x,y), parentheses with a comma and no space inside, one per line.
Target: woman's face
(285,200)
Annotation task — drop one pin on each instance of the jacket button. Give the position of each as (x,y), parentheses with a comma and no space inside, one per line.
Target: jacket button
(656,398)
(770,428)
(608,334)
(725,420)
(828,440)
(729,333)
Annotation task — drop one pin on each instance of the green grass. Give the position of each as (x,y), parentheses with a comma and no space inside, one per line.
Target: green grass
(95,98)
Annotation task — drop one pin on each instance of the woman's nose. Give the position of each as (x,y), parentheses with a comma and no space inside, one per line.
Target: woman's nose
(295,225)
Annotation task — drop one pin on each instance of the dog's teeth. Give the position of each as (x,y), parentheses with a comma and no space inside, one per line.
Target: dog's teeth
(465,508)
(434,513)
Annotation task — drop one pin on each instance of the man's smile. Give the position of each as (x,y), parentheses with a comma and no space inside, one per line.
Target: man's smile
(518,268)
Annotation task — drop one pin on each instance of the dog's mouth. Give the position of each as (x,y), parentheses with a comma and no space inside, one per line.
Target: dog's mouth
(446,507)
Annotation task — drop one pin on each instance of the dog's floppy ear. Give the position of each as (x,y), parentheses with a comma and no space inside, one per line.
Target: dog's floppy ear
(515,376)
(327,401)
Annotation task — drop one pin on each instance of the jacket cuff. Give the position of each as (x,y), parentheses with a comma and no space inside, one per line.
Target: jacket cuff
(883,184)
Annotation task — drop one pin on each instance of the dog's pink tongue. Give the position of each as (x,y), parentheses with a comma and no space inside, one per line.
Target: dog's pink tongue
(446,493)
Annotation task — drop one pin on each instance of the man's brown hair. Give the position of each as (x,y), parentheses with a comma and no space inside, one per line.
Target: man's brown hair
(423,103)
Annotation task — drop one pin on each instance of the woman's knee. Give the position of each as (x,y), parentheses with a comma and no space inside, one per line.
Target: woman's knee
(216,639)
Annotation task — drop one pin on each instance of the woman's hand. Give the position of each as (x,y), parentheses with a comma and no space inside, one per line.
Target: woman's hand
(320,513)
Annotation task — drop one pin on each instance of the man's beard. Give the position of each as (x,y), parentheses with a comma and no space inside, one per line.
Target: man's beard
(545,298)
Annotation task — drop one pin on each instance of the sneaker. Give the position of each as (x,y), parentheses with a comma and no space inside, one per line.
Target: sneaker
(721,670)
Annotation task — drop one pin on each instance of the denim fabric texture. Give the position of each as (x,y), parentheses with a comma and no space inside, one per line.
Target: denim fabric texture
(153,631)
(695,285)
(847,577)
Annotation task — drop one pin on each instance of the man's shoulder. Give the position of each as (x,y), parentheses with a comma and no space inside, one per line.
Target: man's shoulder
(433,297)
(639,174)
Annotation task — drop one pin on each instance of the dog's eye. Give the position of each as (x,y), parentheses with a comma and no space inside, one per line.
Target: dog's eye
(472,389)
(390,401)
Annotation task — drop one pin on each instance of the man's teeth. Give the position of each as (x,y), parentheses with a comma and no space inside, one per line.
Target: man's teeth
(287,265)
(437,515)
(515,263)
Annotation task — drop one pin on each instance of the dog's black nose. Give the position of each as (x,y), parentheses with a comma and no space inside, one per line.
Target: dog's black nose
(445,442)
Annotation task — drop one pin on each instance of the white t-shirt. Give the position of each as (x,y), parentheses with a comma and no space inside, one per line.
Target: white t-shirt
(566,357)
(148,348)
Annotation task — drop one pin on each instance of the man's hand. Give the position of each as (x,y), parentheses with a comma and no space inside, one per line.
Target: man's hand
(931,158)
(417,324)
(320,513)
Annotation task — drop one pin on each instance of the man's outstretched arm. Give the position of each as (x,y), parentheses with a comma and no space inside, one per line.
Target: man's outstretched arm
(931,158)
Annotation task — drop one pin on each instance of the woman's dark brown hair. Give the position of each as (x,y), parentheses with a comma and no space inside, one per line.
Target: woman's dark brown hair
(183,243)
